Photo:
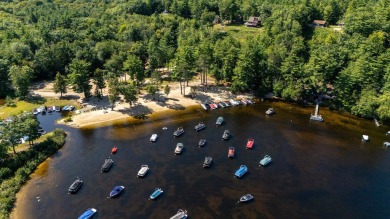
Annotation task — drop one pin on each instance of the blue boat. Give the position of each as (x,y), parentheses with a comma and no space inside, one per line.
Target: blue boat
(157,192)
(116,191)
(240,172)
(88,213)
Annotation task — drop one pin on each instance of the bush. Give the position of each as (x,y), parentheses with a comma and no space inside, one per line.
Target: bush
(5,173)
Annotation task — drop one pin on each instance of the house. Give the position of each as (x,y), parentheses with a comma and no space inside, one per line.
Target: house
(319,23)
(252,22)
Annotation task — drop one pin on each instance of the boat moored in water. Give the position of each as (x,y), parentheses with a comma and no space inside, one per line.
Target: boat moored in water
(107,165)
(116,191)
(226,135)
(76,185)
(249,143)
(219,121)
(143,171)
(207,161)
(265,161)
(157,192)
(241,171)
(181,214)
(231,152)
(365,138)
(114,150)
(88,213)
(200,126)
(202,142)
(179,131)
(153,138)
(179,148)
(270,111)
(246,198)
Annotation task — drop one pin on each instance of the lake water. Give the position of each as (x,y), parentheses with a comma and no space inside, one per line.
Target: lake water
(318,170)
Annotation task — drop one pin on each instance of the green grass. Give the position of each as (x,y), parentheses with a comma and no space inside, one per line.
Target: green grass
(239,31)
(23,105)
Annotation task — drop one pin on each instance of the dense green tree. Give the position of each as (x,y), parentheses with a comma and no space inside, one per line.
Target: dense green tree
(129,92)
(79,77)
(30,127)
(21,78)
(60,84)
(133,65)
(113,91)
(98,80)
(5,84)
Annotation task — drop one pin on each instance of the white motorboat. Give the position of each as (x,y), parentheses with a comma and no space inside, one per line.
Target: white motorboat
(386,144)
(265,161)
(179,148)
(143,171)
(181,214)
(153,138)
(179,131)
(226,135)
(202,142)
(270,111)
(200,126)
(365,138)
(388,133)
(207,161)
(246,198)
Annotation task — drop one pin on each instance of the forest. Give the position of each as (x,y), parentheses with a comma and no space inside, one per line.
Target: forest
(82,42)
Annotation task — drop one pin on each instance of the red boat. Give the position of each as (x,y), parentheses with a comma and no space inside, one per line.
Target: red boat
(249,144)
(114,149)
(231,152)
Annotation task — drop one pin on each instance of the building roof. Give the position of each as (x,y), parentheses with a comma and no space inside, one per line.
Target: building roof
(319,22)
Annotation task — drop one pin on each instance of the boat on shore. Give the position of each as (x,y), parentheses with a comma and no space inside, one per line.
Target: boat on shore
(226,135)
(234,103)
(116,191)
(179,148)
(205,106)
(246,198)
(143,170)
(153,138)
(231,152)
(219,121)
(181,214)
(249,143)
(207,161)
(114,150)
(76,185)
(265,161)
(270,111)
(179,131)
(202,142)
(157,192)
(107,165)
(88,213)
(200,126)
(241,171)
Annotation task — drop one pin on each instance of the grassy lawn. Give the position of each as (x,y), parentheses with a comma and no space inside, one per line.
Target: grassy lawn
(238,31)
(23,105)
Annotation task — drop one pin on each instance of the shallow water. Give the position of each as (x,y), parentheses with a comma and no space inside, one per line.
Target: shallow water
(318,170)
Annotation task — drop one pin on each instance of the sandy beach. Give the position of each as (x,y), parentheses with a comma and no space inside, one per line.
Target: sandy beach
(95,111)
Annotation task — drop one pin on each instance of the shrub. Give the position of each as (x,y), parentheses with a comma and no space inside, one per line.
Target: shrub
(5,173)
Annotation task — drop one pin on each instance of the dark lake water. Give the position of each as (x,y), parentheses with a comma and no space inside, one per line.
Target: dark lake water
(318,170)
